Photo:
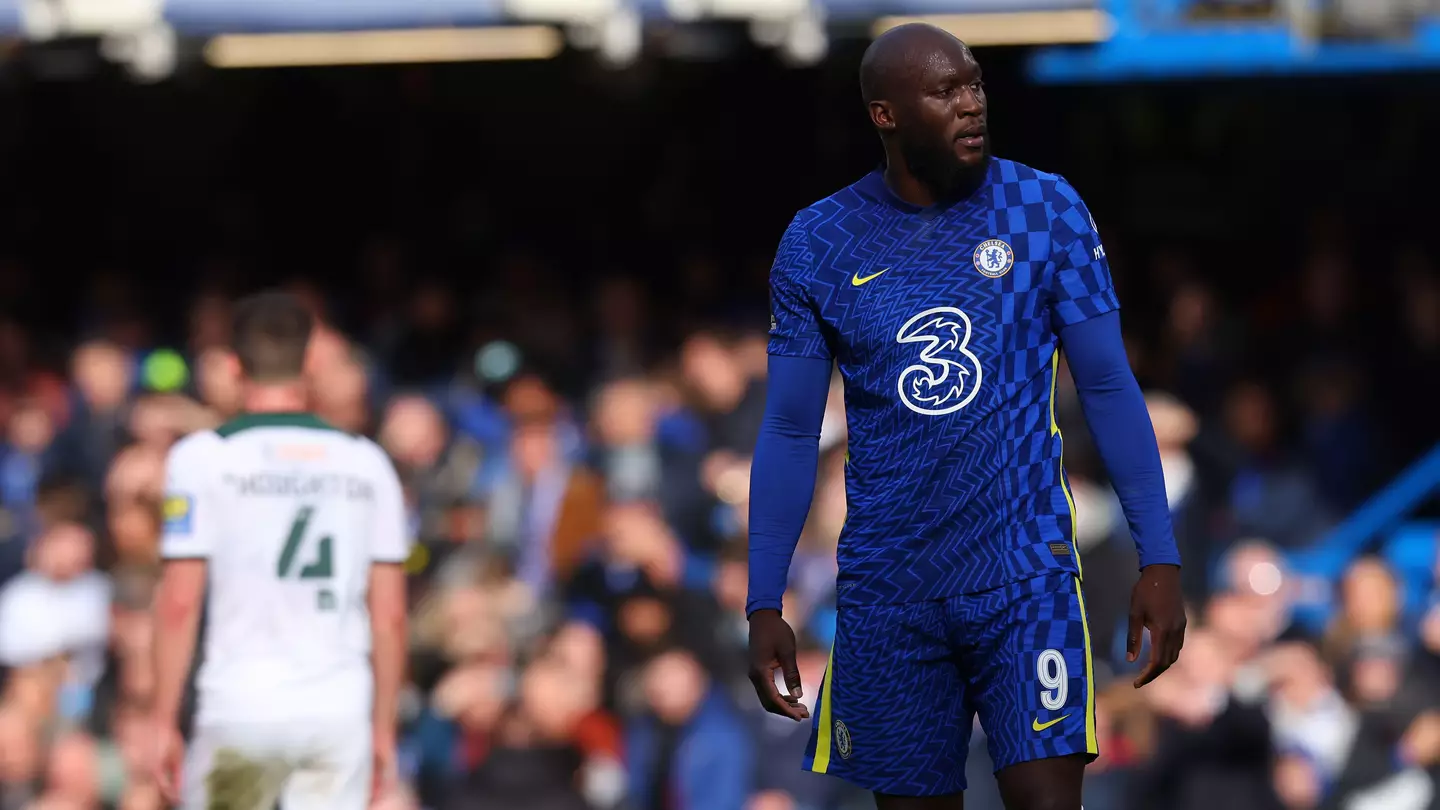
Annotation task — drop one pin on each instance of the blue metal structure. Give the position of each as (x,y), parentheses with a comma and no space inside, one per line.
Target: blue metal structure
(1158,40)
(204,17)
(237,16)
(1147,40)
(1379,525)
(1152,39)
(10,21)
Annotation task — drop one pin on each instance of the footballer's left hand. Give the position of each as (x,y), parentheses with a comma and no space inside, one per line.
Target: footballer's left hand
(1156,605)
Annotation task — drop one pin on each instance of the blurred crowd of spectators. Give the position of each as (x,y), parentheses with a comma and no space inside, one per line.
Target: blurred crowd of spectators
(579,492)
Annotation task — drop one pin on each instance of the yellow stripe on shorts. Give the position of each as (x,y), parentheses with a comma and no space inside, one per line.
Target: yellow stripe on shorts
(823,727)
(1092,746)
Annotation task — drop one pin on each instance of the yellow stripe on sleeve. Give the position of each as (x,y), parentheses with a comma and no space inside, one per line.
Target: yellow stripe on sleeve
(1064,484)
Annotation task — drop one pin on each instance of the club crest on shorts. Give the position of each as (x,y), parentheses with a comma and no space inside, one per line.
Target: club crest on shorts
(994,258)
(842,740)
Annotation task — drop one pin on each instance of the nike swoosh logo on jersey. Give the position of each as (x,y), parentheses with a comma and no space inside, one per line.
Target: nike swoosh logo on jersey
(1039,726)
(856,280)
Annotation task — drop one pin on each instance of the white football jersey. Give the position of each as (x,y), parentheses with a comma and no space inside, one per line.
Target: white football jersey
(290,513)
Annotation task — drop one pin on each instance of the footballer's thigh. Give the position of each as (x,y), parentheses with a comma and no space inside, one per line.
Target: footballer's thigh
(332,768)
(1031,675)
(891,715)
(232,768)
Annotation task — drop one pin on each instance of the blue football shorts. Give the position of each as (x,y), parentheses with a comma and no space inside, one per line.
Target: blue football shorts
(905,682)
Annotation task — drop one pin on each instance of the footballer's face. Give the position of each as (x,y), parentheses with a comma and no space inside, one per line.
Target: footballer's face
(940,122)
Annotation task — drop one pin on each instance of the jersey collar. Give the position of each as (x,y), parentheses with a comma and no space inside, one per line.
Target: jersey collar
(246,421)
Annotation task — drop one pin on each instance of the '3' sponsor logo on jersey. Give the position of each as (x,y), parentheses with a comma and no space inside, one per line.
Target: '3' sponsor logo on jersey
(947,376)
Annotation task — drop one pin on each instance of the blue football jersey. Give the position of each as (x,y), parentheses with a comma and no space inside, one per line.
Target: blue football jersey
(944,323)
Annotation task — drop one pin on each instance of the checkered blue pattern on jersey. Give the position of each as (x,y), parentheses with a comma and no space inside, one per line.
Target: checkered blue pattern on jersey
(973,498)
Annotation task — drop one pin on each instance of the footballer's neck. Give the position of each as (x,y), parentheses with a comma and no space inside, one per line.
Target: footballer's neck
(924,188)
(290,396)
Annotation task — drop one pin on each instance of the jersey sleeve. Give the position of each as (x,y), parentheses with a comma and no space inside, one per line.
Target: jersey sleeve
(390,537)
(188,509)
(1080,284)
(795,329)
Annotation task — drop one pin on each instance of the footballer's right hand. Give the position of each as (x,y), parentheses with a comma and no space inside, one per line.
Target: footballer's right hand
(167,760)
(772,647)
(385,772)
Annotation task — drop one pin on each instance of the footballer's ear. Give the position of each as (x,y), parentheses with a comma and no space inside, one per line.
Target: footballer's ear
(231,365)
(882,115)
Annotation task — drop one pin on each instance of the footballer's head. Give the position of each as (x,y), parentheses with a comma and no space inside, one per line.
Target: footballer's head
(925,96)
(271,336)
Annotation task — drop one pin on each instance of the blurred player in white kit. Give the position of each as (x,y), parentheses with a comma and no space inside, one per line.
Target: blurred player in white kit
(291,534)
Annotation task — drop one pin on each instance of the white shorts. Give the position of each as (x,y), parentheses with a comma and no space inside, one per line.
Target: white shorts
(322,765)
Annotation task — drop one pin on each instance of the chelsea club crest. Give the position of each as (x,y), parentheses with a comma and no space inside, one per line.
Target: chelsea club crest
(994,258)
(842,740)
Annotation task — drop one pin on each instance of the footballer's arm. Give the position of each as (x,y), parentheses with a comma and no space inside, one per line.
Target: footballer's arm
(1120,424)
(185,544)
(782,482)
(1086,309)
(783,469)
(386,602)
(388,645)
(178,602)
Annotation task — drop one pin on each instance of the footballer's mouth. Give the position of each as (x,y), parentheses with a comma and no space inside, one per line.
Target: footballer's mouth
(971,136)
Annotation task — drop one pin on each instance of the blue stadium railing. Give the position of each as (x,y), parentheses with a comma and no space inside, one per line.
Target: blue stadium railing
(1379,526)
(1159,39)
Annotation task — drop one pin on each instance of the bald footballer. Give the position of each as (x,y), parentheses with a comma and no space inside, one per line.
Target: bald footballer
(944,286)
